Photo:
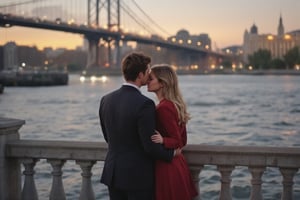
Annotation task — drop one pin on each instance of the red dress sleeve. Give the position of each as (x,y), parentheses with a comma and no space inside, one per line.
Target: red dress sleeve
(168,125)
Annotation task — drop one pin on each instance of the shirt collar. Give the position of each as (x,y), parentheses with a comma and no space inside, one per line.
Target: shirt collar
(132,85)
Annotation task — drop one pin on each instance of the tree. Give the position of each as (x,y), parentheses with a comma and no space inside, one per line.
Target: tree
(226,63)
(260,59)
(292,56)
(278,63)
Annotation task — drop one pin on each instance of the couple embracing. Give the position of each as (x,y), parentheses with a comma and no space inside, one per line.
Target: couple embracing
(144,159)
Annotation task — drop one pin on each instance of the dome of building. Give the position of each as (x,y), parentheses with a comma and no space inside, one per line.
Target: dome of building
(183,34)
(254,29)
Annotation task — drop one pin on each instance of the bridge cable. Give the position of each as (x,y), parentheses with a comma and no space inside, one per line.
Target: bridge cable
(137,19)
(19,3)
(153,22)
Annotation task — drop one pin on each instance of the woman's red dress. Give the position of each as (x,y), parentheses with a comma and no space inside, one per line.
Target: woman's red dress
(172,180)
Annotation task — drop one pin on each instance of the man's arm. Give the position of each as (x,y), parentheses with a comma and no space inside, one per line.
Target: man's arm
(146,127)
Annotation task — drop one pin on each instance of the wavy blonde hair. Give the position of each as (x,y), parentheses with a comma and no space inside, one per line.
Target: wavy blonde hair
(166,75)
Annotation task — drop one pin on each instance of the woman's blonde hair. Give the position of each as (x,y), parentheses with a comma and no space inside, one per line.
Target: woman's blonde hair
(167,76)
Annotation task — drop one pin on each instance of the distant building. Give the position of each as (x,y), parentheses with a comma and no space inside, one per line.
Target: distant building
(235,53)
(30,56)
(278,44)
(15,56)
(10,56)
(233,50)
(183,37)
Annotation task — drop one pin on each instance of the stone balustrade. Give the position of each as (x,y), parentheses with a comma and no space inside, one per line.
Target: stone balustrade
(14,152)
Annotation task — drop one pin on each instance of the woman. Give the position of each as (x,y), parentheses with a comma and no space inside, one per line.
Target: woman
(173,179)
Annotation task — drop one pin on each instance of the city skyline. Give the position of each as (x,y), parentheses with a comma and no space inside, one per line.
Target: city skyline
(224,22)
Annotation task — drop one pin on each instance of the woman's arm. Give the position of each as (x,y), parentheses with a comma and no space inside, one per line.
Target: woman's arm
(167,117)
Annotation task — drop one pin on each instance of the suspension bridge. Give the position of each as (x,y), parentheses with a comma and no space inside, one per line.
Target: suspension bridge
(110,22)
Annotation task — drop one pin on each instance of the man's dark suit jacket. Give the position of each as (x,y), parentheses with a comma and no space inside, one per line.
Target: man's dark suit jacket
(127,120)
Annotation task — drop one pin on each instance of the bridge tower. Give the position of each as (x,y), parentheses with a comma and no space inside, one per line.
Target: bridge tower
(104,13)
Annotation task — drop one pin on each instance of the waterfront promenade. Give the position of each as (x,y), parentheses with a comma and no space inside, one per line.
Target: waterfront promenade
(14,152)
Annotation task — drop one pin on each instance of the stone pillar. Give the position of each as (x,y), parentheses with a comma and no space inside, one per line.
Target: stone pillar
(86,187)
(93,51)
(195,173)
(288,176)
(10,169)
(225,171)
(256,182)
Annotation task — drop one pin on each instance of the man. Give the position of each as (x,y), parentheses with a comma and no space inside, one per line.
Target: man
(127,120)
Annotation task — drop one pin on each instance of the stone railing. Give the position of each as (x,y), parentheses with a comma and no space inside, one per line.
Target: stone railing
(14,152)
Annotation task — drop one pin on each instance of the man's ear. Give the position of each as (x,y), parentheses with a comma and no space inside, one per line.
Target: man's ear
(140,75)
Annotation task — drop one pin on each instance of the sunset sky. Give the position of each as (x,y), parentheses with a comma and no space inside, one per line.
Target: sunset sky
(223,20)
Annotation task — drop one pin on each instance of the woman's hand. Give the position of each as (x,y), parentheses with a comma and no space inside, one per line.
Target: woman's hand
(157,138)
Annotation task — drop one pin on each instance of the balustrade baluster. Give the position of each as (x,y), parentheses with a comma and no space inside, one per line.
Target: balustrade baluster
(225,181)
(195,172)
(287,182)
(57,189)
(87,192)
(256,182)
(29,191)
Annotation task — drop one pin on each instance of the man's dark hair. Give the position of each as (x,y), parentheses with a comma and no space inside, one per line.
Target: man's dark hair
(133,64)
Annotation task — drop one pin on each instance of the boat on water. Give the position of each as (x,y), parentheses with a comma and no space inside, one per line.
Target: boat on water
(1,88)
(33,78)
(101,72)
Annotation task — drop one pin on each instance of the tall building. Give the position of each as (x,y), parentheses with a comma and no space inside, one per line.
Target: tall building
(10,56)
(278,44)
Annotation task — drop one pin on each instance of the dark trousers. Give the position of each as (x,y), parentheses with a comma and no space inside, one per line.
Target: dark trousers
(118,194)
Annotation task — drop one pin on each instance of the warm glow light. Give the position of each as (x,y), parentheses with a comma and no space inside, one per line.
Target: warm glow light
(270,37)
(198,43)
(250,67)
(212,66)
(180,41)
(158,48)
(297,67)
(207,46)
(71,21)
(189,41)
(194,67)
(174,67)
(173,39)
(287,37)
(141,32)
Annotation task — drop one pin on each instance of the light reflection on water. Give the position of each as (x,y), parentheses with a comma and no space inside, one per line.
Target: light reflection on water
(225,109)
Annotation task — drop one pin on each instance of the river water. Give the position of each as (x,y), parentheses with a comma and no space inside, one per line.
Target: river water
(225,110)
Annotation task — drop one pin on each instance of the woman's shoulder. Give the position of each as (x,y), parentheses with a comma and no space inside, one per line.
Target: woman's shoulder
(166,104)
